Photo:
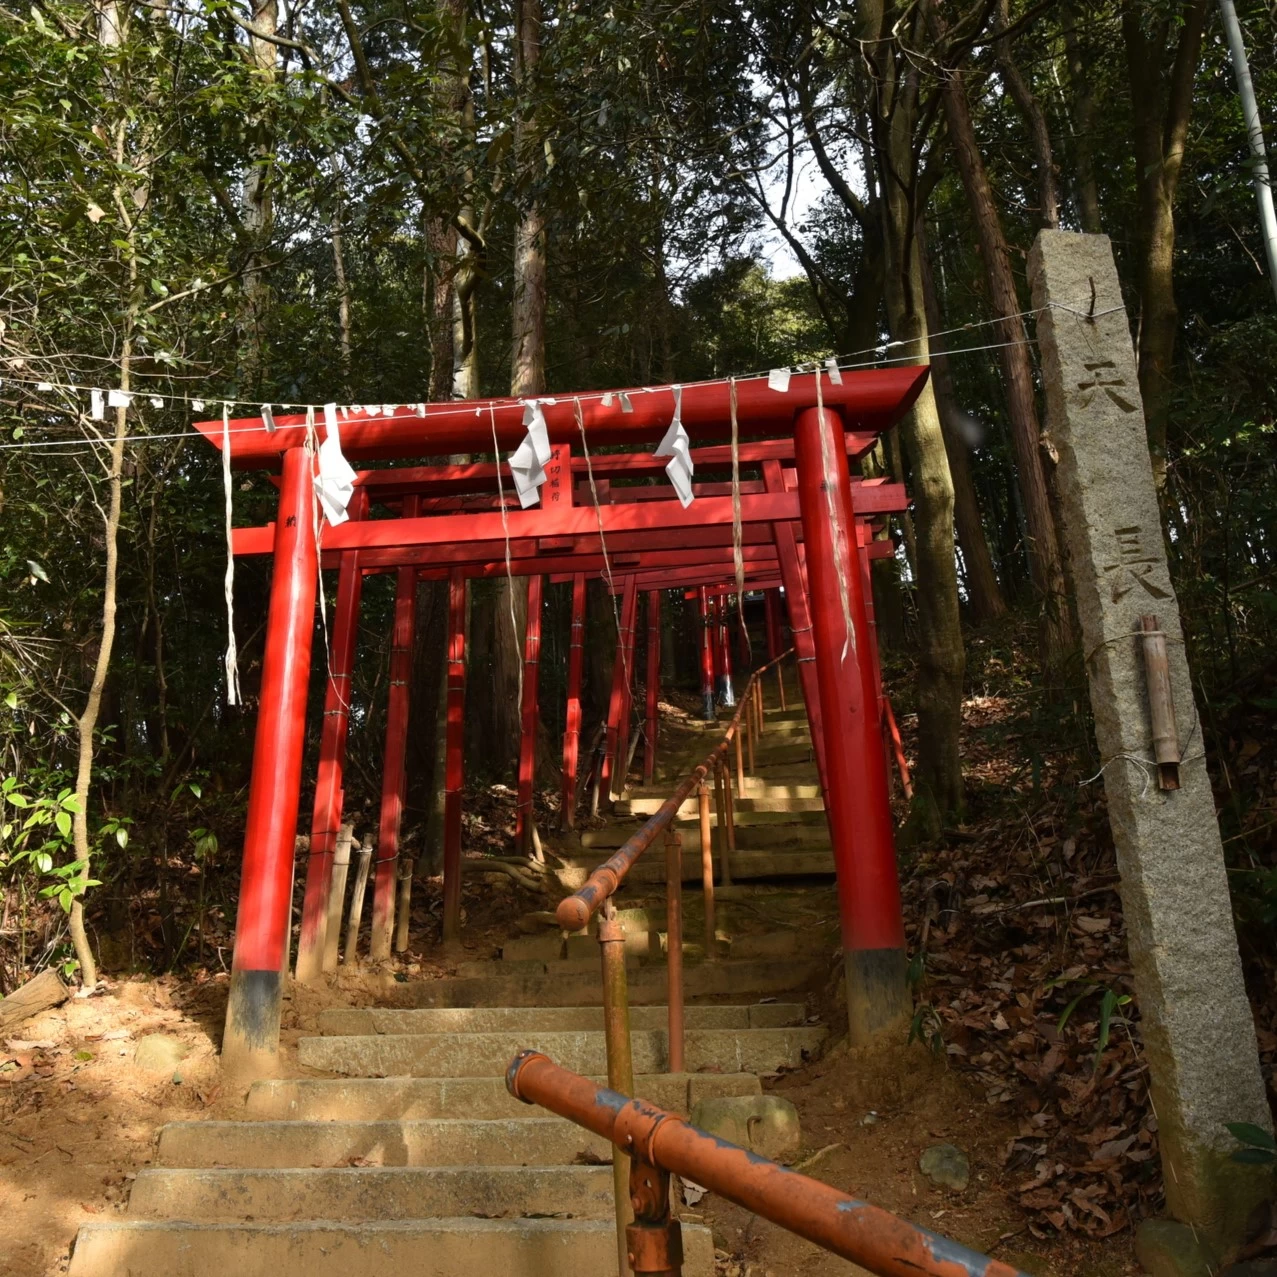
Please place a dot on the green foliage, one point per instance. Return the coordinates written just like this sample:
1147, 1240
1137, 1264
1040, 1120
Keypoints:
1258, 1146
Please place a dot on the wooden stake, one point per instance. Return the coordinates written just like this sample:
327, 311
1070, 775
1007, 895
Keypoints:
357, 903
337, 895
1161, 703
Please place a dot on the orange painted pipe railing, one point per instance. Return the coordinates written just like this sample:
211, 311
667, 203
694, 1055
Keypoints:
658, 1143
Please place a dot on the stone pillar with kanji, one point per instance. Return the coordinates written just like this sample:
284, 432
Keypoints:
1196, 1024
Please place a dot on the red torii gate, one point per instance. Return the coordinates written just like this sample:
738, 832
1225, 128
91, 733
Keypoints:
819, 497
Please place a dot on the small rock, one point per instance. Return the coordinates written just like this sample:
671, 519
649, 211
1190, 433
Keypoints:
765, 1124
946, 1166
869, 1119
159, 1053
1167, 1248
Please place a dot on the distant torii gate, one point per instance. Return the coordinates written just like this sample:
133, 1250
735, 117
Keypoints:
434, 537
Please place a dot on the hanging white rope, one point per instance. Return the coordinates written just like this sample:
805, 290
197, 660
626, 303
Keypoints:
838, 534
231, 659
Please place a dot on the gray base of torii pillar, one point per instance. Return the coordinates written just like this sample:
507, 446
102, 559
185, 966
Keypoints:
1196, 1022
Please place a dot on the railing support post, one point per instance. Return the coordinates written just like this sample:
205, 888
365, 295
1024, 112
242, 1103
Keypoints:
707, 871
749, 726
674, 956
654, 1241
727, 691
740, 761
620, 1059
729, 827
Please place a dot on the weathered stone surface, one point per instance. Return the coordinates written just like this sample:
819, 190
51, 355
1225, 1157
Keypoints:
946, 1166
424, 1248
1166, 1248
1252, 1268
1196, 1021
159, 1053
765, 1124
540, 948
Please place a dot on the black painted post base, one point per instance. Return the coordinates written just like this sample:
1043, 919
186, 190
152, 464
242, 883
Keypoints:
250, 1042
708, 712
878, 997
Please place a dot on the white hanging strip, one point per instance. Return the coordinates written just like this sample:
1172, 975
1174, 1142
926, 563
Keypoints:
97, 407
157, 402
778, 379
232, 653
678, 447
335, 479
835, 375
626, 405
527, 462
197, 404
268, 418
118, 398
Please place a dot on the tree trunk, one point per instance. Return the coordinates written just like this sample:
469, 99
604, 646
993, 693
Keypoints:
344, 339
983, 589
1017, 376
1161, 107
1083, 120
1034, 118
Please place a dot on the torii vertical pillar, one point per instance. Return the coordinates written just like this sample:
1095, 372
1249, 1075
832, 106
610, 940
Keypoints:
572, 718
394, 773
723, 613
528, 715
250, 1042
707, 656
652, 688
330, 775
1195, 1018
858, 799
454, 757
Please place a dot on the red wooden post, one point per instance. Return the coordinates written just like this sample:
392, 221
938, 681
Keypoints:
653, 688
618, 723
528, 733
727, 693
858, 801
394, 775
454, 761
707, 657
799, 626
332, 760
572, 721
250, 1043
620, 768
773, 625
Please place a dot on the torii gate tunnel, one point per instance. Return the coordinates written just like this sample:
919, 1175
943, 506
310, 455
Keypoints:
806, 526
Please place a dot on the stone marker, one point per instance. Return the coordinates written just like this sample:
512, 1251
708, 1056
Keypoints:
1196, 1021
765, 1124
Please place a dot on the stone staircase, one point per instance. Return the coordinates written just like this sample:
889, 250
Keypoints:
403, 1150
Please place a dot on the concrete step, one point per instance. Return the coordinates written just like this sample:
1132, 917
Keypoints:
486, 1054
798, 861
491, 984
354, 1022
371, 1099
752, 834
424, 1248
526, 1141
638, 805
373, 1193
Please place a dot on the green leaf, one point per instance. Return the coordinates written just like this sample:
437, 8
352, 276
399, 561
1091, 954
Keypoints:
18, 800
1068, 1010
1254, 1156
1249, 1133
43, 862
37, 571
122, 836
38, 19
63, 822
196, 790
12, 700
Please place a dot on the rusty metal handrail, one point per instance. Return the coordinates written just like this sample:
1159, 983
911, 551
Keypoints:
575, 911
658, 1143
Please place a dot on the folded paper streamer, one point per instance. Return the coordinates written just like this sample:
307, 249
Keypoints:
527, 461
678, 448
335, 480
118, 399
835, 376
157, 402
268, 418
97, 410
778, 379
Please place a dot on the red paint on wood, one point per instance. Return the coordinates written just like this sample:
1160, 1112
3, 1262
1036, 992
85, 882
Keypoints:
572, 718
528, 715
454, 760
652, 689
